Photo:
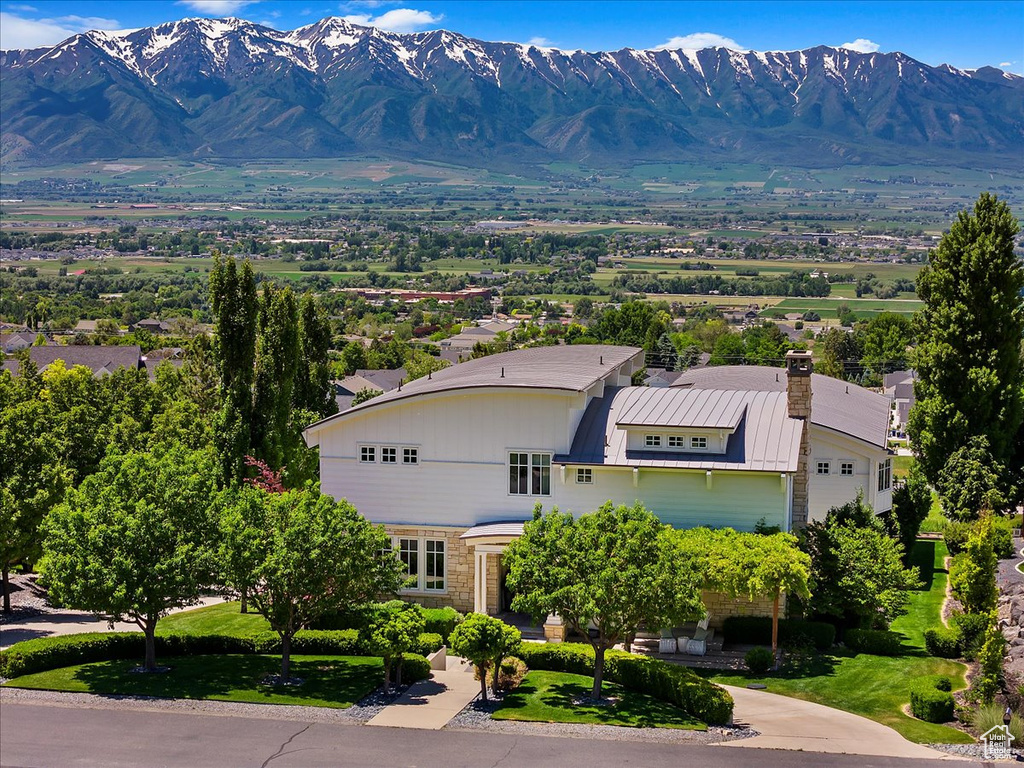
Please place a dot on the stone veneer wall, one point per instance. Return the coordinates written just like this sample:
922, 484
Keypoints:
460, 570
720, 606
798, 395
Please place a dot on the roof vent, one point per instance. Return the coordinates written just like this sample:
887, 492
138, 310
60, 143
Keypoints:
503, 372
429, 376
399, 385
600, 360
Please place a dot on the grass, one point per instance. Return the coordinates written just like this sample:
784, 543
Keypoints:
330, 681
901, 465
551, 697
935, 521
877, 687
220, 619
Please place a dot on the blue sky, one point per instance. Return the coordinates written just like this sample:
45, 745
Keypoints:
966, 34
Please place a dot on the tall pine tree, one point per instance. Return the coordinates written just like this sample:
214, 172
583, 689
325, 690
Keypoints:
313, 391
277, 359
968, 359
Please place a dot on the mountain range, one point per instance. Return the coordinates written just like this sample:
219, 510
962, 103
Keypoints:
229, 88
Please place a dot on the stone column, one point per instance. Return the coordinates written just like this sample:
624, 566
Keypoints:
554, 629
799, 367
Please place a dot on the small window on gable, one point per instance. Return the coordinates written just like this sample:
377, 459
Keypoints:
885, 475
388, 455
410, 455
824, 467
368, 453
846, 469
676, 441
652, 441
584, 475
699, 443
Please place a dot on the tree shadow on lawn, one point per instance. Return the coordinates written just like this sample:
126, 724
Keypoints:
334, 682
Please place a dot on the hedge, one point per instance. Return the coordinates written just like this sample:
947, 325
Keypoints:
440, 621
675, 684
962, 638
55, 652
944, 642
878, 642
931, 701
757, 630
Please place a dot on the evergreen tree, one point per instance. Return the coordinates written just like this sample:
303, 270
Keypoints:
968, 359
277, 359
313, 391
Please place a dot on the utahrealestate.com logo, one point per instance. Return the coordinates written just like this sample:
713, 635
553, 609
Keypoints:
997, 743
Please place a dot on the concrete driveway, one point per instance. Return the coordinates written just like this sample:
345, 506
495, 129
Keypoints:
787, 723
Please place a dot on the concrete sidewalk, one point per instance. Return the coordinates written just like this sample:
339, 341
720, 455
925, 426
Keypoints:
787, 723
430, 704
70, 623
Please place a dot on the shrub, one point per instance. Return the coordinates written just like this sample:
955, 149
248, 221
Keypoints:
677, 685
759, 659
944, 642
878, 642
511, 674
988, 716
442, 621
1002, 537
971, 628
757, 630
955, 535
414, 668
930, 704
944, 684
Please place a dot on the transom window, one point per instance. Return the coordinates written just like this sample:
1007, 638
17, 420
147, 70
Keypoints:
885, 475
584, 475
824, 467
425, 563
368, 453
676, 441
700, 443
846, 468
410, 456
529, 474
388, 455
652, 441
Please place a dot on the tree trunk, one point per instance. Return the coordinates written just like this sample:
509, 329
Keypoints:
775, 631
286, 656
628, 644
598, 671
150, 631
398, 671
7, 589
482, 669
245, 601
387, 675
497, 671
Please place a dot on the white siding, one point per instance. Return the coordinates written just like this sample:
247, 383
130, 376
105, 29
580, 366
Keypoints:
827, 491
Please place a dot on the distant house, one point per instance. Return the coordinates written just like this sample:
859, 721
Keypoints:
383, 380
12, 342
158, 327
101, 360
900, 387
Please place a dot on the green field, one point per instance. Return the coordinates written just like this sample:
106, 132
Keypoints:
863, 308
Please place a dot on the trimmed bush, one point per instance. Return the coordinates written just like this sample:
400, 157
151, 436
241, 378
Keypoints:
677, 685
971, 630
955, 535
929, 703
1002, 537
877, 642
440, 621
414, 668
943, 684
759, 659
944, 642
757, 630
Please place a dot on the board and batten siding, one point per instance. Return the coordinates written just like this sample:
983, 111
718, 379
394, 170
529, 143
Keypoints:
832, 490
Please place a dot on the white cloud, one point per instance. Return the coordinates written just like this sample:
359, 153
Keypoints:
862, 45
1005, 63
699, 40
18, 32
397, 20
22, 8
540, 42
217, 7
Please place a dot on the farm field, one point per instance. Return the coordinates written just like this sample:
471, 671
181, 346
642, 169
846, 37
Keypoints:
864, 308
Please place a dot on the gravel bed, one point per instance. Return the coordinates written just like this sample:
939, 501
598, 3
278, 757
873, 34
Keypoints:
477, 716
974, 751
358, 713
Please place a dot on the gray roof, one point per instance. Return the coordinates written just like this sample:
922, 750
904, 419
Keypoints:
665, 407
897, 377
835, 404
98, 359
766, 438
570, 368
514, 528
904, 391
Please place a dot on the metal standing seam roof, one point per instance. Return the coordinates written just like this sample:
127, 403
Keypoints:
663, 407
513, 528
572, 368
766, 438
835, 404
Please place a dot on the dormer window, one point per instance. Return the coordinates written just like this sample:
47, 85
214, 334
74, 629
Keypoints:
699, 443
676, 441
652, 441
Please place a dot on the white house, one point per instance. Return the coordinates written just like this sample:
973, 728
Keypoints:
453, 464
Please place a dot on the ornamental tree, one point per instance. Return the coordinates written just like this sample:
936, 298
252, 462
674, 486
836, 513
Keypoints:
391, 634
131, 542
613, 569
968, 360
486, 642
304, 554
972, 575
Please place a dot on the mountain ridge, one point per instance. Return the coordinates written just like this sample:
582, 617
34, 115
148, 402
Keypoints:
234, 89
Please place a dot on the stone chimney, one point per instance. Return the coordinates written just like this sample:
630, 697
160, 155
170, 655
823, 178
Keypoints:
798, 397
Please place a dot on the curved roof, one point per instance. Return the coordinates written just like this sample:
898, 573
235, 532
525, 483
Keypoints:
571, 368
835, 404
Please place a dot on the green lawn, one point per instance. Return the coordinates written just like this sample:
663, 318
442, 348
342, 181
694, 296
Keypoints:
935, 521
877, 687
330, 681
548, 697
901, 465
220, 619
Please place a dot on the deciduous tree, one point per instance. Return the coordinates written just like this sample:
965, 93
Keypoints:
486, 642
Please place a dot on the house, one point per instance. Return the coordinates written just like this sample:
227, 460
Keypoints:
900, 387
452, 465
158, 327
383, 380
12, 342
100, 360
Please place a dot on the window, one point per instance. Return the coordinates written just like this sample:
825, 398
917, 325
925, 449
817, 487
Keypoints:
410, 455
434, 565
846, 469
585, 475
409, 553
529, 474
652, 441
388, 455
824, 467
368, 453
885, 475
676, 441
700, 443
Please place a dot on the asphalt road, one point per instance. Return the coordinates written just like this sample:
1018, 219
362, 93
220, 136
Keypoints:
41, 735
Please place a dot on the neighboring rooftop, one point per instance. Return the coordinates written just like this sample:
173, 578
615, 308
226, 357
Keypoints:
835, 404
766, 438
98, 359
669, 407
